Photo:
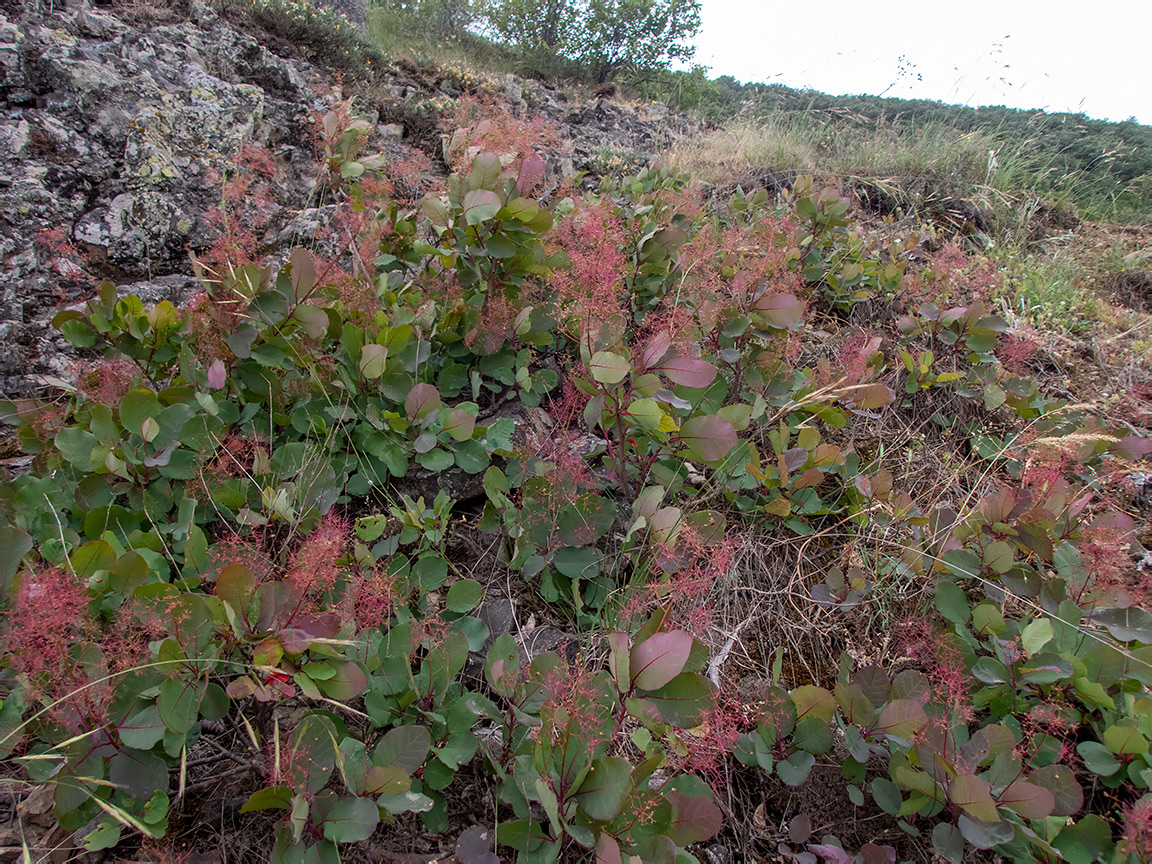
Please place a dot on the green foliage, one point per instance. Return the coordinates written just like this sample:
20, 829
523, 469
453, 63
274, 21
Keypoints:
320, 33
636, 34
603, 36
231, 520
829, 252
556, 725
538, 27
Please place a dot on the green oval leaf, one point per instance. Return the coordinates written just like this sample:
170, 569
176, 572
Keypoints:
604, 790
464, 595
235, 586
373, 358
608, 367
138, 405
348, 681
405, 746
973, 795
685, 700
179, 704
480, 205
351, 820
459, 424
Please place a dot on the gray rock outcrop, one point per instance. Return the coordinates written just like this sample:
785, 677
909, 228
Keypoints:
113, 144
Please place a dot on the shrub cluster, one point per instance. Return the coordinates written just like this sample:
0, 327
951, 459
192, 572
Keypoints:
214, 521
316, 32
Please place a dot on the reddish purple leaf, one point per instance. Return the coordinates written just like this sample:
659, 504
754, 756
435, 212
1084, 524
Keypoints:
873, 854
1133, 447
475, 846
607, 850
531, 173
709, 438
422, 400
687, 371
217, 374
872, 396
659, 659
781, 310
902, 717
321, 625
1029, 800
830, 853
800, 828
293, 641
695, 818
1060, 780
655, 349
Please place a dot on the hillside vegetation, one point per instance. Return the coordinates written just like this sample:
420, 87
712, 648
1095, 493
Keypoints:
1103, 168
783, 498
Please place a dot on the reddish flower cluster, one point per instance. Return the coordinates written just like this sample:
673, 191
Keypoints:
1016, 353
106, 382
233, 458
1044, 723
1045, 471
855, 355
921, 640
1138, 829
590, 291
574, 708
246, 200
477, 125
46, 625
210, 321
245, 551
495, 326
46, 422
710, 743
426, 633
47, 618
55, 245
1104, 551
410, 176
955, 276
693, 568
316, 567
370, 598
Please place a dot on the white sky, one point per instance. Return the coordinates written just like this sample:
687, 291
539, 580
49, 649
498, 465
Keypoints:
1093, 57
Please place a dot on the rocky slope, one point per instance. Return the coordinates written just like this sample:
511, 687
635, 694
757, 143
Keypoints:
115, 137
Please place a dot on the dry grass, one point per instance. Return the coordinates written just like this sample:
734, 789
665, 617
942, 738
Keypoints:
934, 158
732, 154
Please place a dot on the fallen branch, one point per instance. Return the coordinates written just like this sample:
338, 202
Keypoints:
721, 658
